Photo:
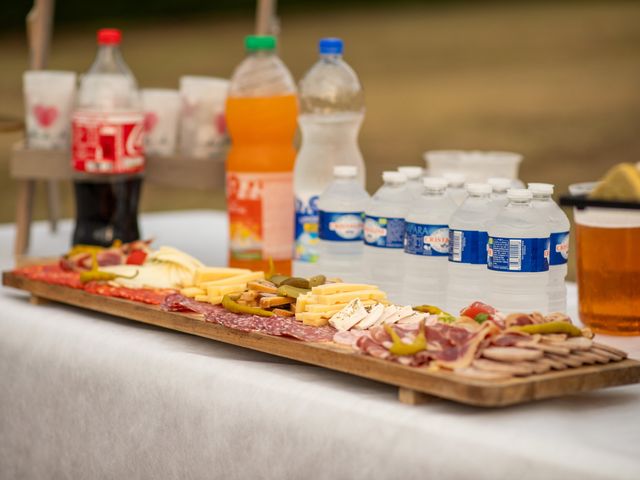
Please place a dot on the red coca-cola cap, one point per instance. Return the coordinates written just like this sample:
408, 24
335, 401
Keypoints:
109, 36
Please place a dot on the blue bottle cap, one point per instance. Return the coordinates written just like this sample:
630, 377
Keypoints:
330, 46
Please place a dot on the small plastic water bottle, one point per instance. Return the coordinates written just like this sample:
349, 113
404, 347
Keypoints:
518, 256
341, 210
467, 272
499, 187
455, 187
559, 227
414, 179
426, 248
384, 234
331, 112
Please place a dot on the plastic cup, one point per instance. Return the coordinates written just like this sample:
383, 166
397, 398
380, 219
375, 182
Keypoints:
161, 113
608, 265
477, 166
49, 98
202, 125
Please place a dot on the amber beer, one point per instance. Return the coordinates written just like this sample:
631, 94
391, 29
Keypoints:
608, 261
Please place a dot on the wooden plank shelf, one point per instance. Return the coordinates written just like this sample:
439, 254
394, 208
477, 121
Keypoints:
174, 171
27, 166
416, 385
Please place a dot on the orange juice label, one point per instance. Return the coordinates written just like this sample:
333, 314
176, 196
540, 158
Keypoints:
260, 209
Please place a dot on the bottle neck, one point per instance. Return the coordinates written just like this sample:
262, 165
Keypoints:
262, 53
478, 196
430, 192
519, 203
542, 198
331, 57
108, 60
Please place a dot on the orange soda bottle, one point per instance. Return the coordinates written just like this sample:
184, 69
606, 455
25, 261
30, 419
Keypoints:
261, 114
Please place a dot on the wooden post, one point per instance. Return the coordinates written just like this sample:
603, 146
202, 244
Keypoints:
39, 25
266, 23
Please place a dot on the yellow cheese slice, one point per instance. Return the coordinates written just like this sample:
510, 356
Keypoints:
311, 318
202, 298
346, 297
215, 291
210, 274
331, 288
242, 278
192, 291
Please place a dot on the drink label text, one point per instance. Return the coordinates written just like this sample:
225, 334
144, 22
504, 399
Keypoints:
341, 226
426, 240
107, 142
518, 254
384, 232
468, 246
559, 248
306, 229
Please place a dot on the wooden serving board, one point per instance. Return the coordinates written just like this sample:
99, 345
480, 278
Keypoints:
415, 384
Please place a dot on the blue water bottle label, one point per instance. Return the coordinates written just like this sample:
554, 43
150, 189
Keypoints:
341, 226
559, 248
384, 232
468, 246
306, 229
518, 254
426, 240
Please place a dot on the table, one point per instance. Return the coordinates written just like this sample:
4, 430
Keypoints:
85, 395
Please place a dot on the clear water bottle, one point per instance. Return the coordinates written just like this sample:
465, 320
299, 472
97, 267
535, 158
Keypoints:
426, 248
455, 186
467, 269
332, 110
414, 179
559, 227
107, 148
518, 256
384, 234
499, 187
341, 218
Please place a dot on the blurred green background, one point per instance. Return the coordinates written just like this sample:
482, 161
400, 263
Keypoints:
556, 81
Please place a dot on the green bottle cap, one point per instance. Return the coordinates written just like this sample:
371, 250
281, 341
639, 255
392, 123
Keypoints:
259, 42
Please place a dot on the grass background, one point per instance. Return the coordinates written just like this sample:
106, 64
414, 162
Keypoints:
558, 82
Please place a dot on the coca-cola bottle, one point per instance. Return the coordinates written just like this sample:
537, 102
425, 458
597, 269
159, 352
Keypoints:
107, 148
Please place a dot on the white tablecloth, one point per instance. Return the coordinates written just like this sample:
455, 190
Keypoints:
84, 395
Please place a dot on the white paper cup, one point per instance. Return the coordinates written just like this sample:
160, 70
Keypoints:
49, 98
161, 113
202, 124
477, 166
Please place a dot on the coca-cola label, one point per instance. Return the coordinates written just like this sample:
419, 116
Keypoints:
108, 142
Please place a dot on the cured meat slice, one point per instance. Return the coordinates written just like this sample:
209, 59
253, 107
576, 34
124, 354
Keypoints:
606, 353
349, 337
179, 303
568, 360
611, 349
142, 295
308, 333
52, 273
511, 354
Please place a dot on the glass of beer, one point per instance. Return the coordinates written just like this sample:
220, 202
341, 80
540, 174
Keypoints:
608, 262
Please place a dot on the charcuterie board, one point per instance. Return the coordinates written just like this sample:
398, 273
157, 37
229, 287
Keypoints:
415, 384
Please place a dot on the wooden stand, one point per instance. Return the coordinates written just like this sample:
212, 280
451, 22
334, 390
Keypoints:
28, 166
